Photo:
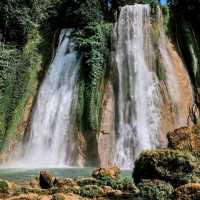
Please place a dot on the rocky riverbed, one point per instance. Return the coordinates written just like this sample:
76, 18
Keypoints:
165, 174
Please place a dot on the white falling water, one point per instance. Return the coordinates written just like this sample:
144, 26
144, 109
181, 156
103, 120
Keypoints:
138, 99
171, 77
51, 141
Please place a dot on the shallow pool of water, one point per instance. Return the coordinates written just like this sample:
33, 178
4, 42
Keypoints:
28, 174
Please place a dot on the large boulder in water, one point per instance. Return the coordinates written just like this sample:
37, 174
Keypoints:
185, 138
45, 180
172, 166
112, 172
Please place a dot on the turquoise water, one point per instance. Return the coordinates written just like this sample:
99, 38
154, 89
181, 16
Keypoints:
28, 174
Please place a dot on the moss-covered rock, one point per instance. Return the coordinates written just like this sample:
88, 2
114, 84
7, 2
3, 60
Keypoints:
4, 186
189, 191
91, 191
155, 190
171, 166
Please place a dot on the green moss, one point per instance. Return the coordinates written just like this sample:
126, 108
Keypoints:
23, 83
155, 190
125, 184
4, 187
90, 191
160, 71
172, 166
93, 41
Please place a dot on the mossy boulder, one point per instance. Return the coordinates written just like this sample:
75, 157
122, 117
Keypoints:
190, 191
91, 191
155, 190
4, 186
172, 166
185, 138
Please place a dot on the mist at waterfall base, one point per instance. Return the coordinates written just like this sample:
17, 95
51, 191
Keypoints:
51, 141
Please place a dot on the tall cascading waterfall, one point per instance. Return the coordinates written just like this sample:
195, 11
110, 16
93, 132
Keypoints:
141, 44
51, 141
138, 99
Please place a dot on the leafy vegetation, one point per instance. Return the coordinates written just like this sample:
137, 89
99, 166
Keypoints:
22, 52
93, 41
154, 190
18, 75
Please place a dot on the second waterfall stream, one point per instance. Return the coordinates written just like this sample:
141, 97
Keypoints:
142, 108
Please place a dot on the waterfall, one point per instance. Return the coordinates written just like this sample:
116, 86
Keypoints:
51, 141
177, 79
138, 98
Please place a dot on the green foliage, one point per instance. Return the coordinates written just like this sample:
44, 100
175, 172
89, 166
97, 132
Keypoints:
10, 69
155, 190
125, 184
90, 11
15, 19
172, 166
90, 191
4, 187
160, 71
93, 41
18, 78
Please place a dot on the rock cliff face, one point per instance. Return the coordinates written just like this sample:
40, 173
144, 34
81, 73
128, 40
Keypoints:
175, 115
185, 138
107, 137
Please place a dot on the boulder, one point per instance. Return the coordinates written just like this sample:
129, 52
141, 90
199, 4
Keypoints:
86, 181
185, 138
172, 166
24, 197
112, 172
190, 191
155, 190
45, 197
4, 186
45, 180
61, 196
69, 182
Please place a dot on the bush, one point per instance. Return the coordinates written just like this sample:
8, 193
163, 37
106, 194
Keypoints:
172, 166
155, 190
93, 41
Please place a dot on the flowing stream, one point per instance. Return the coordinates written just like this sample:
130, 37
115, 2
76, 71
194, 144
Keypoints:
51, 140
